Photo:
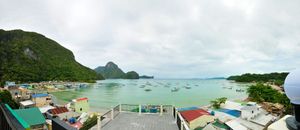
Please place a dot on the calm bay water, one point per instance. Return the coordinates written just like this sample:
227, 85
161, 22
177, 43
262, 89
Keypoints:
107, 93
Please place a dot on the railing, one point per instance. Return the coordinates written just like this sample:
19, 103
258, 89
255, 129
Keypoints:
181, 123
106, 118
147, 109
7, 120
144, 109
116, 111
129, 108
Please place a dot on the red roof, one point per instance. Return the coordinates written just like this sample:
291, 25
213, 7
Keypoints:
81, 99
59, 110
193, 114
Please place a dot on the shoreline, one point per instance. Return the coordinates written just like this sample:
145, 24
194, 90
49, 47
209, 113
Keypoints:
104, 110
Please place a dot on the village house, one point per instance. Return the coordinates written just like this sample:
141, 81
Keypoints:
13, 89
32, 117
250, 111
24, 93
80, 105
41, 99
26, 104
197, 118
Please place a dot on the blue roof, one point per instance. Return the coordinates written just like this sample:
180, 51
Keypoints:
39, 95
235, 113
187, 108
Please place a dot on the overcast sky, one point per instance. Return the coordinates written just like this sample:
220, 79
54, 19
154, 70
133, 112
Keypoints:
168, 38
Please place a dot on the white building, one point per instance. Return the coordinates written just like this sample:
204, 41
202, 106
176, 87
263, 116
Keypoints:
250, 112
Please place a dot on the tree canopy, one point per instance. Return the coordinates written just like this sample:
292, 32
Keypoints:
5, 97
264, 93
32, 57
277, 78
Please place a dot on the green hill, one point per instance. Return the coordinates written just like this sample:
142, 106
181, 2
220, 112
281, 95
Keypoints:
112, 71
32, 57
132, 75
277, 78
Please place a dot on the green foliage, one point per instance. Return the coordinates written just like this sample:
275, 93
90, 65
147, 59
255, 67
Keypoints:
131, 75
265, 93
217, 102
277, 78
5, 97
146, 77
89, 123
31, 57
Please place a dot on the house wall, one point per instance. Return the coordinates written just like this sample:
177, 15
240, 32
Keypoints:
201, 121
42, 101
13, 92
247, 114
25, 95
81, 106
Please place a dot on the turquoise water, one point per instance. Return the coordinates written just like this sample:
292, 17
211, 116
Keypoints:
107, 93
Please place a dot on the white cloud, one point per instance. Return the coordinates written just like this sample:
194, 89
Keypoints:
169, 38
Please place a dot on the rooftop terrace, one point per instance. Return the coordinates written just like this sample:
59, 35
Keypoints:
140, 117
134, 121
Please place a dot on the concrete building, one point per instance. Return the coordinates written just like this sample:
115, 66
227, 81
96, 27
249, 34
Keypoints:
250, 112
14, 91
197, 118
80, 105
27, 104
24, 93
41, 99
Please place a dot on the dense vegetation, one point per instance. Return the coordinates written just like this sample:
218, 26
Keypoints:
131, 75
112, 71
5, 97
32, 57
264, 93
277, 78
217, 103
146, 77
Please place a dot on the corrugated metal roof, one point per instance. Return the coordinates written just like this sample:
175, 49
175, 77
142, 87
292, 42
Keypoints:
193, 114
32, 116
39, 95
58, 110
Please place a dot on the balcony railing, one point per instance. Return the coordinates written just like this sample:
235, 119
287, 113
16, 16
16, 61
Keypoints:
7, 119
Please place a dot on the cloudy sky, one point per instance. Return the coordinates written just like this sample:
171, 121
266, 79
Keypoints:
168, 38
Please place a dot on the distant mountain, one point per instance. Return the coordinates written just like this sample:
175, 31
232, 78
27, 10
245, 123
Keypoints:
146, 77
112, 71
32, 57
132, 75
216, 78
276, 77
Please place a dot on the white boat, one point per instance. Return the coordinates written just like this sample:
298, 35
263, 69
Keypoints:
187, 87
148, 89
175, 89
